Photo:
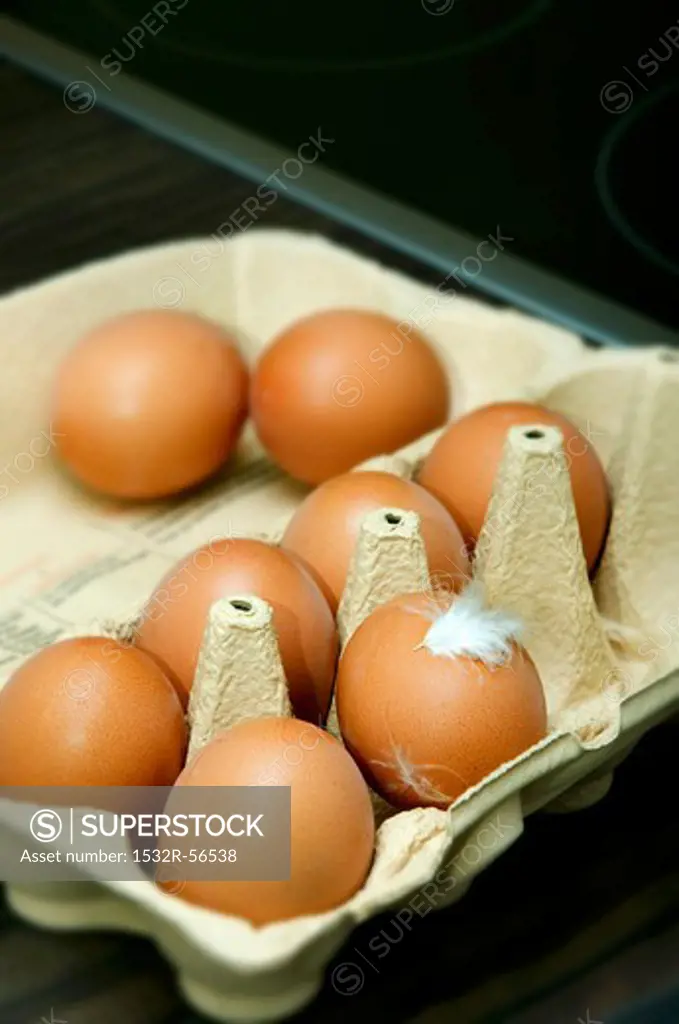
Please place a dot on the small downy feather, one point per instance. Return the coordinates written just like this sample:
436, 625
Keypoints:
470, 629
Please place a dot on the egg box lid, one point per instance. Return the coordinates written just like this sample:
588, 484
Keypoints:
73, 564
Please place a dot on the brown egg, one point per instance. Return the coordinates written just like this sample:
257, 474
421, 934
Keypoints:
90, 712
325, 528
461, 467
332, 824
434, 695
174, 619
149, 403
341, 386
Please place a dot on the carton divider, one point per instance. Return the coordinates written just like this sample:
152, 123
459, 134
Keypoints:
640, 565
239, 675
389, 559
530, 561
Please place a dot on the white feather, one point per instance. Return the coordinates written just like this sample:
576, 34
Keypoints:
469, 629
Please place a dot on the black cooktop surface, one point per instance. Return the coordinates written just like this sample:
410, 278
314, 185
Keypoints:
553, 122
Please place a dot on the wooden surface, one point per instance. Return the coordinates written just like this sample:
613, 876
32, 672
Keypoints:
576, 923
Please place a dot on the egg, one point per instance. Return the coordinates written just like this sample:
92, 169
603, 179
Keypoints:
460, 469
325, 528
149, 403
340, 386
174, 619
332, 824
434, 694
90, 712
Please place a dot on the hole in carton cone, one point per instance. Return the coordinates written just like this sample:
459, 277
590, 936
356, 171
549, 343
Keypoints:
393, 518
241, 606
534, 435
668, 356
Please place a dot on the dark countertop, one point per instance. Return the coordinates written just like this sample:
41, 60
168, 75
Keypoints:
577, 922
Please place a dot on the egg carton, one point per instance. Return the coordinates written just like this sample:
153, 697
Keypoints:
602, 652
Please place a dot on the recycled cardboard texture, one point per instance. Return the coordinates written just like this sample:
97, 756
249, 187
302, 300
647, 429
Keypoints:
389, 559
530, 536
239, 646
642, 554
74, 563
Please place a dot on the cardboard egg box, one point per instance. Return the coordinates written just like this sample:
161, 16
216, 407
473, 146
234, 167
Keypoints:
608, 655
